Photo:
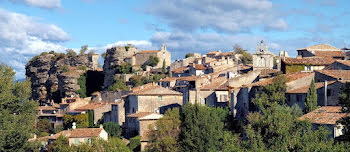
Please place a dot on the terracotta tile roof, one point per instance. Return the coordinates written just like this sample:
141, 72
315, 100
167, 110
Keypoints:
200, 67
290, 77
325, 115
320, 47
91, 106
169, 79
46, 108
212, 52
190, 78
328, 53
180, 70
77, 133
219, 83
337, 74
148, 51
345, 62
227, 53
154, 90
305, 89
308, 61
139, 114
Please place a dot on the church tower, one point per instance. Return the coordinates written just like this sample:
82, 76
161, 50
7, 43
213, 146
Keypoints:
262, 59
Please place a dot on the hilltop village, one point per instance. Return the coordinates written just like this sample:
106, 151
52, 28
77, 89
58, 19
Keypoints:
135, 88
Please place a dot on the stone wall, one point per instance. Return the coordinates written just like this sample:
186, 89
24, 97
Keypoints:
115, 56
49, 81
153, 103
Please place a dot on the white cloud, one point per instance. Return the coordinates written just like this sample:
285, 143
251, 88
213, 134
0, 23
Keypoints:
40, 3
23, 37
137, 43
220, 15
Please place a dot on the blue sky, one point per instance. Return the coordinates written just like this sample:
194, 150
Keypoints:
28, 27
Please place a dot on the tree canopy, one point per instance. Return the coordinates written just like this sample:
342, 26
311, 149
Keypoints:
311, 98
17, 112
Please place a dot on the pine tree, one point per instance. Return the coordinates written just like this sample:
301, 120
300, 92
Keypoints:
311, 98
164, 67
17, 112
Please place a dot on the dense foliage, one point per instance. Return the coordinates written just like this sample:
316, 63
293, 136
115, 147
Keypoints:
135, 144
124, 68
113, 129
82, 84
246, 57
17, 112
344, 101
311, 98
188, 55
140, 80
118, 84
152, 61
81, 120
97, 145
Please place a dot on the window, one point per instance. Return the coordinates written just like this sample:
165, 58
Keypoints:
329, 92
299, 98
133, 110
308, 68
160, 98
76, 141
114, 107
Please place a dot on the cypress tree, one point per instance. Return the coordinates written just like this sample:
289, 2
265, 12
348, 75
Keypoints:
91, 118
164, 67
311, 98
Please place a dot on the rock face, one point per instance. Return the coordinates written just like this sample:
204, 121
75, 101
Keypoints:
114, 57
55, 75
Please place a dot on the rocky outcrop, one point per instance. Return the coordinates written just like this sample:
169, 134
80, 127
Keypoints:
54, 76
115, 56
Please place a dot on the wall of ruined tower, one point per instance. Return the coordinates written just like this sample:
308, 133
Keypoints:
115, 56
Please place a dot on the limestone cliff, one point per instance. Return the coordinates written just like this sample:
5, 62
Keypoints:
55, 75
114, 57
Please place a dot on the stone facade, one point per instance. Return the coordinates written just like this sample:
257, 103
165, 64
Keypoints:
262, 59
116, 115
158, 103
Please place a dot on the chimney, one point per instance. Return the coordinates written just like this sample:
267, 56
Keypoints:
325, 93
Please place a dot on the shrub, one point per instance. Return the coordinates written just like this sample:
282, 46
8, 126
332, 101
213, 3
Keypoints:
135, 144
82, 84
113, 129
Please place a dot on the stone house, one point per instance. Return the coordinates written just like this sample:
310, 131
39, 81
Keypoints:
78, 136
69, 104
263, 58
197, 69
97, 108
140, 57
212, 54
327, 116
51, 113
214, 94
326, 96
169, 82
188, 85
321, 50
299, 64
332, 75
339, 65
139, 123
181, 72
117, 114
152, 98
185, 62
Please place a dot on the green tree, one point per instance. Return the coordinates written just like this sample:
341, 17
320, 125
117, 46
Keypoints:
152, 61
164, 67
81, 120
164, 138
124, 68
311, 98
83, 49
201, 129
135, 144
17, 112
82, 84
136, 80
71, 53
91, 118
246, 57
118, 84
43, 127
188, 55
113, 129
344, 101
